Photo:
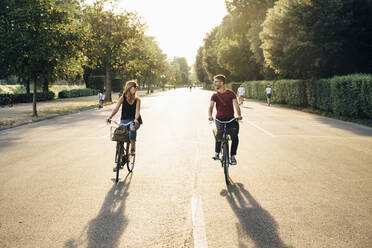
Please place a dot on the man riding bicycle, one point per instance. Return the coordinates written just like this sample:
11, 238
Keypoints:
225, 101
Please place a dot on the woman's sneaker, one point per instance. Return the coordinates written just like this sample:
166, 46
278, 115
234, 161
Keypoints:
233, 160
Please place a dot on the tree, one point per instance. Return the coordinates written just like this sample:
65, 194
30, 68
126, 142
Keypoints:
200, 71
246, 21
210, 59
35, 36
315, 38
184, 70
108, 38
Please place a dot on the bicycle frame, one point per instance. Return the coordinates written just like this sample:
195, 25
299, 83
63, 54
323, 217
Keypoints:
225, 149
122, 148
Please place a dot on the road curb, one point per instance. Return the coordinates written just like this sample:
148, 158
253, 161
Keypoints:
54, 116
45, 118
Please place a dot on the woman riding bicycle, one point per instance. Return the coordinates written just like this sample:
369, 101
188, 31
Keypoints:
130, 111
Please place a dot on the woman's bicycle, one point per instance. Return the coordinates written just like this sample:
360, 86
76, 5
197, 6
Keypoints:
122, 155
225, 160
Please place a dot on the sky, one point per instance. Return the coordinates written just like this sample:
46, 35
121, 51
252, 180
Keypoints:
179, 26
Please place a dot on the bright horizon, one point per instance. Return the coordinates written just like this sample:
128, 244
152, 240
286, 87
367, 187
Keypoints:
178, 26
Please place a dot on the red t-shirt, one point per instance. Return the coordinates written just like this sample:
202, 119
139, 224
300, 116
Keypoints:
224, 104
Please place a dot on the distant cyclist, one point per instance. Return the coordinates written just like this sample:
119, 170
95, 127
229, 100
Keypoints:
225, 101
130, 111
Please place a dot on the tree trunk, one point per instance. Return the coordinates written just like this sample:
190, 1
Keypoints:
86, 76
108, 66
45, 85
34, 97
108, 84
148, 88
28, 86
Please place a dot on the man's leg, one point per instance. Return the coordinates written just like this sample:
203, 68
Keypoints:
217, 148
233, 130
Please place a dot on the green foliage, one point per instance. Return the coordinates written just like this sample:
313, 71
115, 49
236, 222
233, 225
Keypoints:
77, 93
318, 94
117, 85
25, 98
312, 38
346, 96
351, 95
96, 82
210, 57
201, 73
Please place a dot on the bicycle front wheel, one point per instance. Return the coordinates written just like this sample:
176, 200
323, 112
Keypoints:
130, 160
119, 152
130, 163
225, 161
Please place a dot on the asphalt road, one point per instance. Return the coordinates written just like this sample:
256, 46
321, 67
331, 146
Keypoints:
301, 181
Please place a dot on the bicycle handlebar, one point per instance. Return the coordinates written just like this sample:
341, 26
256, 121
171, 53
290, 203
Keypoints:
117, 123
226, 122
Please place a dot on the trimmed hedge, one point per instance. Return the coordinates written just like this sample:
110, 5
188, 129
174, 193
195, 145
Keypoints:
77, 93
348, 96
24, 98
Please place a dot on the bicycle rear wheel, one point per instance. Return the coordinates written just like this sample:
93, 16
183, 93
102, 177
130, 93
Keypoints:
119, 151
225, 161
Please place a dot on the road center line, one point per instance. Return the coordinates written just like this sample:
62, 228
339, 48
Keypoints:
198, 225
260, 128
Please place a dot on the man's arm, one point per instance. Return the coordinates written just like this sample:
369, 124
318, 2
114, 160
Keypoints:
210, 110
237, 109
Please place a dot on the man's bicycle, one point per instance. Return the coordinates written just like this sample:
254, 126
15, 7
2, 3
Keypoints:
123, 157
225, 160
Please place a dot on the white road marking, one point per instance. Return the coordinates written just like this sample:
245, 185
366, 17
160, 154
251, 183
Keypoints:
319, 136
198, 225
260, 128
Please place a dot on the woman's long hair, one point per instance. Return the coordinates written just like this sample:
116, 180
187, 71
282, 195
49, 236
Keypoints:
128, 96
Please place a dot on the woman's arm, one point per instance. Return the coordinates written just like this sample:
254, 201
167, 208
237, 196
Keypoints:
138, 110
117, 107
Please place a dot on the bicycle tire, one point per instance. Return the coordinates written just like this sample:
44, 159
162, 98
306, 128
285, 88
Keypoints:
130, 166
118, 160
225, 158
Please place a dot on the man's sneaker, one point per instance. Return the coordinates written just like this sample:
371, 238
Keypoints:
233, 160
216, 156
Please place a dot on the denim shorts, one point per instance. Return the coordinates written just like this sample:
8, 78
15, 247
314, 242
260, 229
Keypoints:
132, 128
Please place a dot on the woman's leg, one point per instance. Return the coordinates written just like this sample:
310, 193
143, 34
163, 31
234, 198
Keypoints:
133, 136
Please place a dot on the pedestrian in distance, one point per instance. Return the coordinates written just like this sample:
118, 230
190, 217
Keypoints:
241, 93
268, 94
101, 99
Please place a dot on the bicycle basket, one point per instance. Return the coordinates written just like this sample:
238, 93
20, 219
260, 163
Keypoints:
120, 134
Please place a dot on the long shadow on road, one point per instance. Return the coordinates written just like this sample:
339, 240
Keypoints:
254, 222
106, 229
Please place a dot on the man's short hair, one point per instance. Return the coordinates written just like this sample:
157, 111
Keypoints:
220, 77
